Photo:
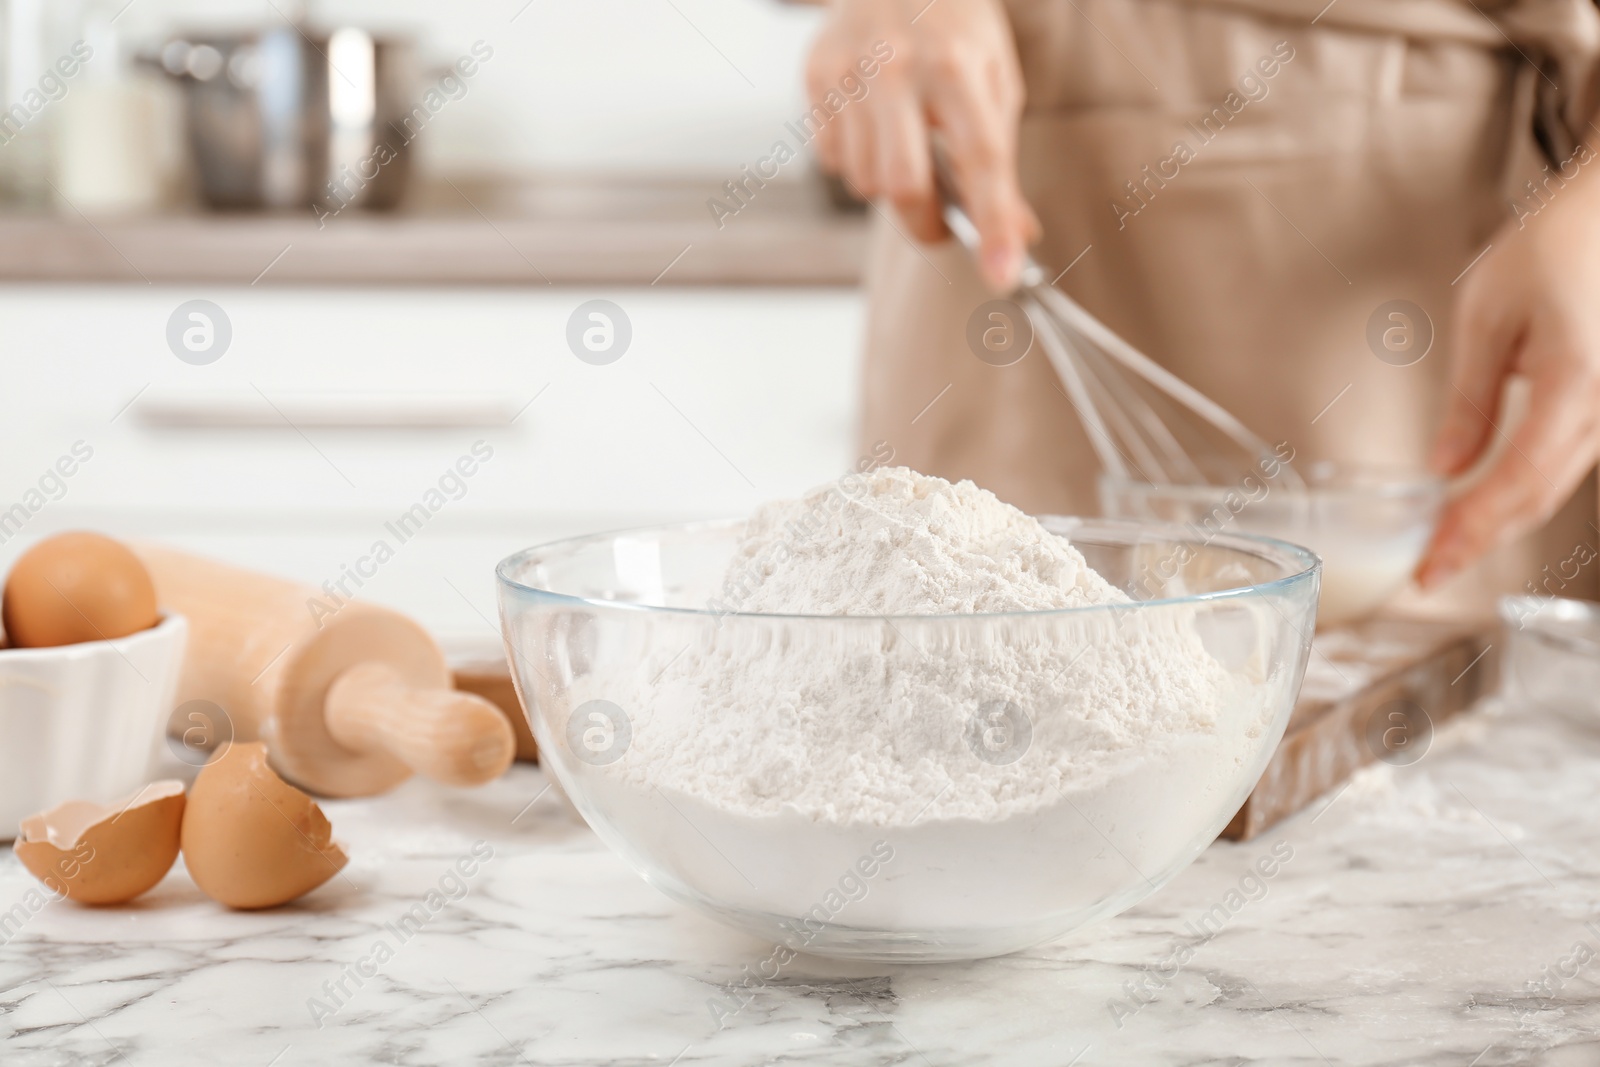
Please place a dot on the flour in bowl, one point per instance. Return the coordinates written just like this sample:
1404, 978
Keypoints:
896, 542
902, 716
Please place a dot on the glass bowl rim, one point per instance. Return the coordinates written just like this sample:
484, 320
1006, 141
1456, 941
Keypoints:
1307, 565
1395, 481
1551, 621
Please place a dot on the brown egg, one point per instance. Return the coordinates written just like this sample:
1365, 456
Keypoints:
77, 587
252, 840
105, 853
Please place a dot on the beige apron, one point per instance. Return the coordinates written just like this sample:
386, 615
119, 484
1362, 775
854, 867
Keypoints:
1373, 164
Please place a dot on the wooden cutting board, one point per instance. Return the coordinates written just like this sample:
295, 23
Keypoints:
491, 679
1373, 690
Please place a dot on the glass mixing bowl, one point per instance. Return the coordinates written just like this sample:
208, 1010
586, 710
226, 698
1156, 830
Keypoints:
1552, 656
615, 640
1369, 523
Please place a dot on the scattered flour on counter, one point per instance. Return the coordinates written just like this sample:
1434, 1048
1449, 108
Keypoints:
871, 722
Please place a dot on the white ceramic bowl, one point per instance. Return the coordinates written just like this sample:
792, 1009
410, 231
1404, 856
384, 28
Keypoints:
85, 721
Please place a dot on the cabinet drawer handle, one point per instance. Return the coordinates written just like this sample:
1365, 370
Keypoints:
191, 409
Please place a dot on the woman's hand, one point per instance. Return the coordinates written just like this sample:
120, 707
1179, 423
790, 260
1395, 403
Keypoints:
954, 69
1531, 307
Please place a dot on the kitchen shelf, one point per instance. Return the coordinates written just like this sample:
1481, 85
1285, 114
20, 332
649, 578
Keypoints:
464, 232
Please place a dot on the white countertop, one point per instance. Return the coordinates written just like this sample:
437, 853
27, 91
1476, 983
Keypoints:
1417, 908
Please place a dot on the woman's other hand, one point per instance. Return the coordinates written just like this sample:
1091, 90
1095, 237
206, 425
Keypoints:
1531, 307
953, 69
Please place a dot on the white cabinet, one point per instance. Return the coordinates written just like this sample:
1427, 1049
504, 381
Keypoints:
724, 397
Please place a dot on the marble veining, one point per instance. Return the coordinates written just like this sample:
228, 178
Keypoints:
1445, 913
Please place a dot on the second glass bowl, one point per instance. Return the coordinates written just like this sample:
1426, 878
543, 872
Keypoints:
1369, 523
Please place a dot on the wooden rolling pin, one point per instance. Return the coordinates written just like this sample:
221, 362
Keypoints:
349, 703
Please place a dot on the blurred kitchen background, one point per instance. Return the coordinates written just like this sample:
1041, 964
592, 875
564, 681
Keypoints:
355, 343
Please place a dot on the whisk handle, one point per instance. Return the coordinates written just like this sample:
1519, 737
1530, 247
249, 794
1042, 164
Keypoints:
960, 223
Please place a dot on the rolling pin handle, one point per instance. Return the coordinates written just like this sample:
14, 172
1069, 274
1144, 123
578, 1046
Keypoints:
449, 736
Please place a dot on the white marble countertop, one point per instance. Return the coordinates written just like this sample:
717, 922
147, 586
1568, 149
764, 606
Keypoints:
1418, 911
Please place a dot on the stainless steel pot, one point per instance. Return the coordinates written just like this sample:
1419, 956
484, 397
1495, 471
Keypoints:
287, 117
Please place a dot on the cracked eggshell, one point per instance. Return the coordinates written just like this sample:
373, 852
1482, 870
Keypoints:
250, 839
105, 853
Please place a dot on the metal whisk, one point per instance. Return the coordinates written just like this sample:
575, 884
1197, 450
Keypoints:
1144, 422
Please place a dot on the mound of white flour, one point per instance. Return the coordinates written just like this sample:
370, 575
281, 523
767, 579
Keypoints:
888, 721
896, 542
